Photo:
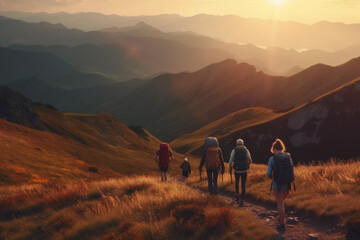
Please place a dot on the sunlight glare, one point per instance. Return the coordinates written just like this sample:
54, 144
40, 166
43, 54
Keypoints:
278, 3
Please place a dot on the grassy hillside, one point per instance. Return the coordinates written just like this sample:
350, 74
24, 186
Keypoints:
329, 191
175, 104
326, 127
123, 208
236, 121
69, 146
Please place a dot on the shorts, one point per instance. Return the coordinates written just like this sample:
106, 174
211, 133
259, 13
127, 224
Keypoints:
185, 173
162, 169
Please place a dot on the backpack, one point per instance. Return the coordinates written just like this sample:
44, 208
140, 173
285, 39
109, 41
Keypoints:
186, 167
241, 162
211, 142
283, 169
164, 155
212, 160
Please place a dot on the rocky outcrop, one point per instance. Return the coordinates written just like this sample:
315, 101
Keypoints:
15, 108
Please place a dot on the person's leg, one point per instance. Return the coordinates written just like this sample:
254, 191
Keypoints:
162, 176
243, 182
237, 178
209, 176
215, 180
279, 196
165, 176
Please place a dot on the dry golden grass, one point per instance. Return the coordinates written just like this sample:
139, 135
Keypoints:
70, 145
238, 121
328, 190
124, 208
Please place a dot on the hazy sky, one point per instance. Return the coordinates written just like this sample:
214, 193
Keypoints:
308, 11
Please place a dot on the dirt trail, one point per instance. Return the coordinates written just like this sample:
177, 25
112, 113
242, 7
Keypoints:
298, 226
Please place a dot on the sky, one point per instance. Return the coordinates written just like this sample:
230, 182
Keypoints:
306, 11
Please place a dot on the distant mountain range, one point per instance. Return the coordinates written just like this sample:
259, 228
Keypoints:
117, 57
142, 50
20, 64
174, 104
323, 35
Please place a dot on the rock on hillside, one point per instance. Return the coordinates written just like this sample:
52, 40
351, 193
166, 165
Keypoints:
15, 108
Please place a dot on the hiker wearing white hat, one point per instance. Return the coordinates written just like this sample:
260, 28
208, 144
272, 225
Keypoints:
240, 160
186, 169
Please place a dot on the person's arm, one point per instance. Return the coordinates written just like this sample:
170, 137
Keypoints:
171, 155
292, 172
232, 155
270, 167
202, 162
249, 156
221, 161
157, 157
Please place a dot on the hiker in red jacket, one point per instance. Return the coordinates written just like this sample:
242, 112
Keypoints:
214, 162
163, 158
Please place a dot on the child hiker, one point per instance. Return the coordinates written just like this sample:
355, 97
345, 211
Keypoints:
186, 169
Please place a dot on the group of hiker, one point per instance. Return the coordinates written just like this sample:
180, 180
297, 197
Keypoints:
280, 169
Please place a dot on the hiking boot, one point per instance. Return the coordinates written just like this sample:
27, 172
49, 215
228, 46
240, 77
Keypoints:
237, 198
280, 228
241, 203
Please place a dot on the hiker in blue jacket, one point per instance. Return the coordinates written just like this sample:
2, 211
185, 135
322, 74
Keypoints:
280, 169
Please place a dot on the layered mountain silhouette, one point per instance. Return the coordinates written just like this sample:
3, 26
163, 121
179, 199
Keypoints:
327, 36
132, 57
120, 57
81, 100
174, 104
142, 50
16, 64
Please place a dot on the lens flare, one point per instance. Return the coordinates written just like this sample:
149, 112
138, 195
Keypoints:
278, 3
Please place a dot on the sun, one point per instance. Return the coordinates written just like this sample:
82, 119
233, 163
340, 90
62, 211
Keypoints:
278, 3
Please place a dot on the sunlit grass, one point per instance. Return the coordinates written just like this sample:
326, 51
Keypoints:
124, 208
328, 190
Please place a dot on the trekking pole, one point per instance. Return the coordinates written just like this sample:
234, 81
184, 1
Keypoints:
200, 174
231, 175
222, 179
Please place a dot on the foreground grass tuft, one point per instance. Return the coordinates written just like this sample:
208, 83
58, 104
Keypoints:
124, 208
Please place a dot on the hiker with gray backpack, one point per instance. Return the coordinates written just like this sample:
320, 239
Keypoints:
240, 160
214, 162
281, 170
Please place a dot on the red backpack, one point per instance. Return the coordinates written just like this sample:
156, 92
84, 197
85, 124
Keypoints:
164, 155
212, 160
